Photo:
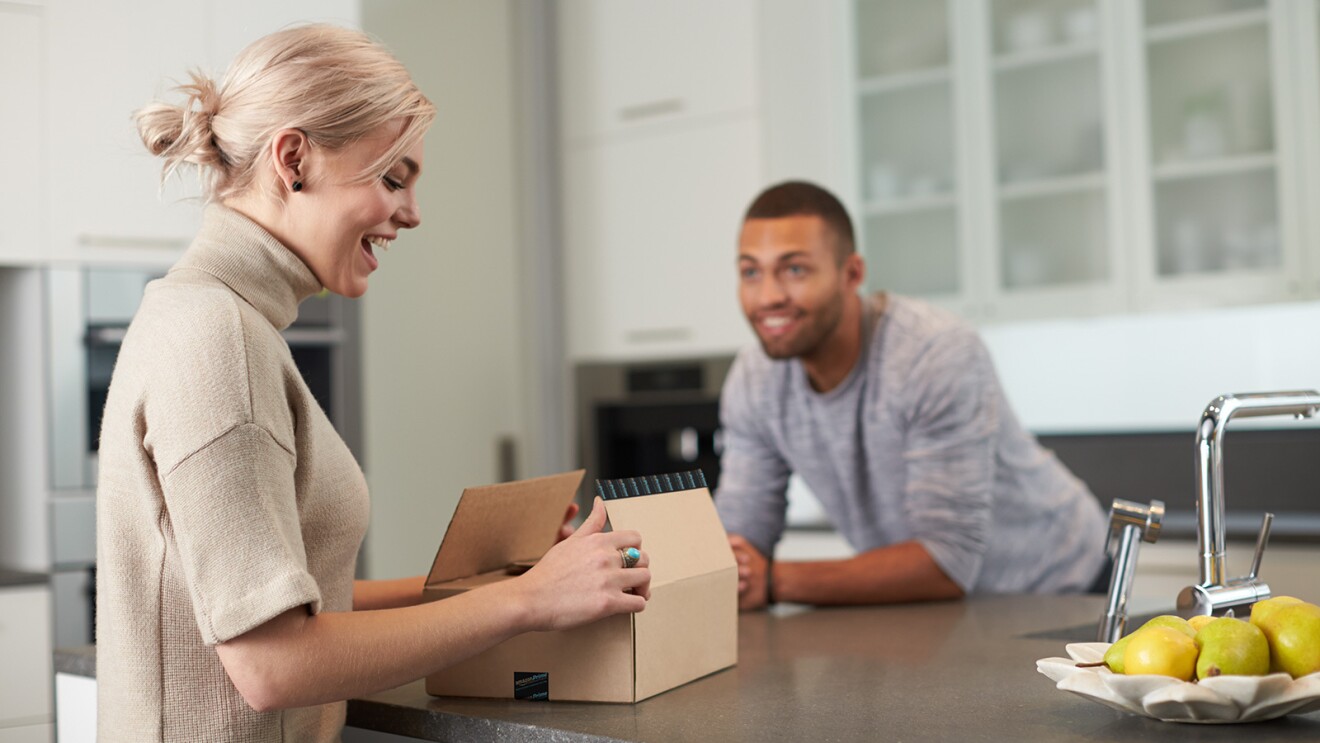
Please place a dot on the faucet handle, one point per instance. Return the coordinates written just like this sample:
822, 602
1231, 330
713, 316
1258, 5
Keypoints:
1261, 539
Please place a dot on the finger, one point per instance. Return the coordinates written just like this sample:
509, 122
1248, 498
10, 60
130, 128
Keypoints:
570, 512
622, 539
595, 520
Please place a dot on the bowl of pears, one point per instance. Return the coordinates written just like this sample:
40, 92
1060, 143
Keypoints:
1206, 669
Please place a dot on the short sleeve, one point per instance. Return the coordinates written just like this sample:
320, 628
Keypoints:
233, 511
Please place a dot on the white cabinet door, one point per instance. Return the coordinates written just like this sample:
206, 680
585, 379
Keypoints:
25, 676
650, 237
104, 59
20, 133
233, 25
635, 64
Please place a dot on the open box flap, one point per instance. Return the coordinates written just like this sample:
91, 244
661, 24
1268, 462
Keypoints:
495, 525
681, 532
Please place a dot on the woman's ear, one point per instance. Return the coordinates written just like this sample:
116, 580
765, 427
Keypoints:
289, 150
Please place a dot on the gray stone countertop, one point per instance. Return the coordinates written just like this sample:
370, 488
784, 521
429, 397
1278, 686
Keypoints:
962, 671
9, 578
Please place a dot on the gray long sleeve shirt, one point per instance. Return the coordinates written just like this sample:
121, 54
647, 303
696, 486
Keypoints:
918, 443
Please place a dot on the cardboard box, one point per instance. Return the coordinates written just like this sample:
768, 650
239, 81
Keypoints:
688, 630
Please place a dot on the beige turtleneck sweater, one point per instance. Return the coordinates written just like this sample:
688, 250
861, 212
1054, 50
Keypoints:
225, 495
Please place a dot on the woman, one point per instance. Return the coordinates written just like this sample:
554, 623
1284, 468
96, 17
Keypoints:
229, 511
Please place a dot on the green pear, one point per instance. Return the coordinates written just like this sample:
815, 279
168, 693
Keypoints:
1199, 621
1162, 651
1114, 655
1261, 610
1293, 632
1231, 647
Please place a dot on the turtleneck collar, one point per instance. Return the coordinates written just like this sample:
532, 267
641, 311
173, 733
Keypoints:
249, 260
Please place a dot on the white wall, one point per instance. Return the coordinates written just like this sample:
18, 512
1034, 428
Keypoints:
23, 433
442, 350
1153, 371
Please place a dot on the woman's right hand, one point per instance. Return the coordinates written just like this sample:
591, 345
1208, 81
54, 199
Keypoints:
582, 578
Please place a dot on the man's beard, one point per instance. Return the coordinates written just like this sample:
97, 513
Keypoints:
818, 327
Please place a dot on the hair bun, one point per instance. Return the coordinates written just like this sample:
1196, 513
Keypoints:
183, 133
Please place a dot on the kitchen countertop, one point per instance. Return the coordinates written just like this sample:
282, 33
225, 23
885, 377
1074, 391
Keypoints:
946, 671
9, 578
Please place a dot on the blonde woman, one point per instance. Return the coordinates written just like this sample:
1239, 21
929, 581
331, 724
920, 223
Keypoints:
229, 511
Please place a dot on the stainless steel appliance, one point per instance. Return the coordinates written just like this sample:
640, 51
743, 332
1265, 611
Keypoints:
650, 417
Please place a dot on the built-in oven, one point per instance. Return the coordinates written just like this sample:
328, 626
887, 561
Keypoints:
652, 417
88, 310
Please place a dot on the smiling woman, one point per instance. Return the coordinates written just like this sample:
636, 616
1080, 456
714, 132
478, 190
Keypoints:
229, 512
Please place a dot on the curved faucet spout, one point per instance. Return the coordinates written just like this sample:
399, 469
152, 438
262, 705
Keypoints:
1210, 464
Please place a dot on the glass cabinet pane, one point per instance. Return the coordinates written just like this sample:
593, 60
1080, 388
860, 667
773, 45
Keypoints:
895, 36
1212, 142
906, 134
1050, 159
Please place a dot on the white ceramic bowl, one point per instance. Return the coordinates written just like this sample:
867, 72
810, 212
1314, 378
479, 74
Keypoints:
1214, 700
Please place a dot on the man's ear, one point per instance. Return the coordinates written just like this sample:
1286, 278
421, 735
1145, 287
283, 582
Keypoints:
854, 270
289, 150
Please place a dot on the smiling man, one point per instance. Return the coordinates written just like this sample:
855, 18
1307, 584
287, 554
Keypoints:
890, 411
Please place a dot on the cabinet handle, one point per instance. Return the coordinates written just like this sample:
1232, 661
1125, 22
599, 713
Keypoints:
124, 241
658, 335
651, 110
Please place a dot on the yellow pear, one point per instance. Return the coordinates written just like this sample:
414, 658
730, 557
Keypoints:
1293, 632
1231, 647
1114, 655
1199, 621
1163, 651
1261, 610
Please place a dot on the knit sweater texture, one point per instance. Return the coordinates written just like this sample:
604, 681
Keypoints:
225, 496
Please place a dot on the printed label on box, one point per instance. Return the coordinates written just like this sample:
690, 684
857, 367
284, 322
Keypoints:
531, 685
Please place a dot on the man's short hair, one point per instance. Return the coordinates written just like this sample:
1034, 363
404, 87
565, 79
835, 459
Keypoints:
800, 198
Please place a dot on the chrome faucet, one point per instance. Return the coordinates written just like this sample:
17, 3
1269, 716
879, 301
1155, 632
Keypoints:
1216, 593
1133, 523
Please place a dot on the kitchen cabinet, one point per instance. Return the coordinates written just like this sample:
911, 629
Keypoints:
25, 677
1037, 158
104, 200
652, 192
650, 235
20, 132
632, 65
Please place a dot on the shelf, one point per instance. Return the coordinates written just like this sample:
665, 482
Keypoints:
910, 205
1207, 26
1217, 166
903, 81
1051, 186
1044, 56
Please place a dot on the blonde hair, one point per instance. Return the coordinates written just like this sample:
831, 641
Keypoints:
334, 84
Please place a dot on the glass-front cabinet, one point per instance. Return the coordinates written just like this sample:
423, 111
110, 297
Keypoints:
1036, 158
911, 212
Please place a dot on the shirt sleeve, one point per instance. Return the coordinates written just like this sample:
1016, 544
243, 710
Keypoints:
232, 509
752, 495
952, 413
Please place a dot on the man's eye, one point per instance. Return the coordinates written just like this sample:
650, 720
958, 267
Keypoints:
748, 273
796, 271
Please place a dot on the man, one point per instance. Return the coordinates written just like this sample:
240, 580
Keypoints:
890, 411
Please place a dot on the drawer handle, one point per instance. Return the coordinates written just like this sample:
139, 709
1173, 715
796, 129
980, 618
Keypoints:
658, 335
651, 110
118, 241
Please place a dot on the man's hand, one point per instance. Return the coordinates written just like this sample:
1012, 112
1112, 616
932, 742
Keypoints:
753, 569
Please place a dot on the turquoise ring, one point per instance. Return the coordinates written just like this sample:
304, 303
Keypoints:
630, 556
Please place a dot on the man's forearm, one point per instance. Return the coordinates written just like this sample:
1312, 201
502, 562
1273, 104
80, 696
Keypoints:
887, 575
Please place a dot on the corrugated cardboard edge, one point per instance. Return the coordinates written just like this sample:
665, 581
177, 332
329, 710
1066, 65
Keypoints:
494, 525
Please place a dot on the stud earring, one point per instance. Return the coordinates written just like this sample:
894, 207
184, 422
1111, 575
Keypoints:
297, 186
